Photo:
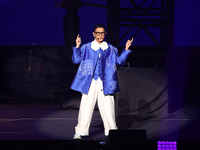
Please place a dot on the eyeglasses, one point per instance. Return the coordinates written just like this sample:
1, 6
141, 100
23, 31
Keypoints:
100, 33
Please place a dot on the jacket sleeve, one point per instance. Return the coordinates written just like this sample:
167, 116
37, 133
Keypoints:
121, 59
76, 56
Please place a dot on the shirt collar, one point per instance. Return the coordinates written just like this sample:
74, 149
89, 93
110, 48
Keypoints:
95, 45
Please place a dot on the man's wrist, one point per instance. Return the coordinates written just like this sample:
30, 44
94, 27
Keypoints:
126, 48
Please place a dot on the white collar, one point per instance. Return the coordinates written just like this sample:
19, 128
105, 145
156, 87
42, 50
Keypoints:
95, 45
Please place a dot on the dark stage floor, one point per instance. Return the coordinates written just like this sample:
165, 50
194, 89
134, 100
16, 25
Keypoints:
49, 122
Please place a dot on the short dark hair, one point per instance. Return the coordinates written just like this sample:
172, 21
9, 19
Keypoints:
99, 26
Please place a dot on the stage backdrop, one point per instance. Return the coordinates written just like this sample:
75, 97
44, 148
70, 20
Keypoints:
41, 22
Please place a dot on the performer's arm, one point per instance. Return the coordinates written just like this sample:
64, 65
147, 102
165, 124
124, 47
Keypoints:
76, 56
121, 60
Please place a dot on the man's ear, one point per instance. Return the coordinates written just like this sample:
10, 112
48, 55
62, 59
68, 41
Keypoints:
93, 34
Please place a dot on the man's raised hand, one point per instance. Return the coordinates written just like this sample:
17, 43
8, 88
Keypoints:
128, 44
78, 41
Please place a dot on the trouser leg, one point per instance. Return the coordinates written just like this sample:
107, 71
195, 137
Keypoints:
106, 106
86, 110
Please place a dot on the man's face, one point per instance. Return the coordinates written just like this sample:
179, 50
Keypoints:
99, 35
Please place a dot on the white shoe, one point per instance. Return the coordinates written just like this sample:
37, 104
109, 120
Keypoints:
77, 137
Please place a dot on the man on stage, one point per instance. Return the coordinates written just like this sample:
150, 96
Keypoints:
96, 79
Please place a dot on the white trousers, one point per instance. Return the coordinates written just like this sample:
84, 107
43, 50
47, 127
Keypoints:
106, 107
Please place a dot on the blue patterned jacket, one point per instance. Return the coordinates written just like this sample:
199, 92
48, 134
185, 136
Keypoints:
87, 56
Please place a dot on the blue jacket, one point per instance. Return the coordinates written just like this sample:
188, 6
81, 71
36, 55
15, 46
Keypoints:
87, 56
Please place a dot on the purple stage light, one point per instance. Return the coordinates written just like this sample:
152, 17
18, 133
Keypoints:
166, 145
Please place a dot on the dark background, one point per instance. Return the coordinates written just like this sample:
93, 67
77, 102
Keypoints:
41, 22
